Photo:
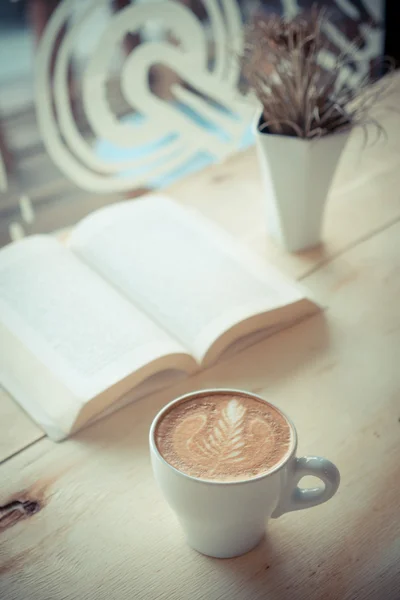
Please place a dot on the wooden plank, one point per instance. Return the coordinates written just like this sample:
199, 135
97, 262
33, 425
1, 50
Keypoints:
104, 531
17, 430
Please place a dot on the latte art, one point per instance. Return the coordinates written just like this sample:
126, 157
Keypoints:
223, 437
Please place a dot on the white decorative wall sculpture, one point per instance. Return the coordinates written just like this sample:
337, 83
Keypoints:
214, 101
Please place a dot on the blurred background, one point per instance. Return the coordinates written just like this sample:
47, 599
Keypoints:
83, 124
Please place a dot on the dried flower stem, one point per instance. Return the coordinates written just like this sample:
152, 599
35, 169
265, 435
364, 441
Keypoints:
281, 62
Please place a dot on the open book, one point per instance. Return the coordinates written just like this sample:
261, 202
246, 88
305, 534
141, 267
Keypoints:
144, 287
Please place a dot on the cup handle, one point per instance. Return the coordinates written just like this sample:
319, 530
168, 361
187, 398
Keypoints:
296, 498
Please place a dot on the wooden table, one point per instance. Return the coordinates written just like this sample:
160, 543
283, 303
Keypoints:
103, 531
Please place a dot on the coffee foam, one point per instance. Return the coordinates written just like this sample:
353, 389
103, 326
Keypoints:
223, 437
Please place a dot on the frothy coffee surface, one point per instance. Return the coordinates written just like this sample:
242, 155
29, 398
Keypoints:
223, 437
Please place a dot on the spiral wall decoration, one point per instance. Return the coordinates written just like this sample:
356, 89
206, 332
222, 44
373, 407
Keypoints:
208, 88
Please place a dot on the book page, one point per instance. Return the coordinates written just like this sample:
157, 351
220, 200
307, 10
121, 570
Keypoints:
183, 271
76, 324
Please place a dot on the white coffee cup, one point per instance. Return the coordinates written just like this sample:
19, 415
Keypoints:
227, 519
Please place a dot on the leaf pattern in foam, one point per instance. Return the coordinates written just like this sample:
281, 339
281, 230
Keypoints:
225, 441
215, 439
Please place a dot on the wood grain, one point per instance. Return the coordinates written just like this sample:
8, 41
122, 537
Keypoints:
17, 430
104, 531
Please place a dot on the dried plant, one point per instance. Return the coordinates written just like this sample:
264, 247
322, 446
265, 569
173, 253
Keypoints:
282, 64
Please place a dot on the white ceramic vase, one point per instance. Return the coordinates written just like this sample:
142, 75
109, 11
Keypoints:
297, 175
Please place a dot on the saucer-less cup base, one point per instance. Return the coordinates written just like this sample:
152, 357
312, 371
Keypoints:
227, 519
224, 543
